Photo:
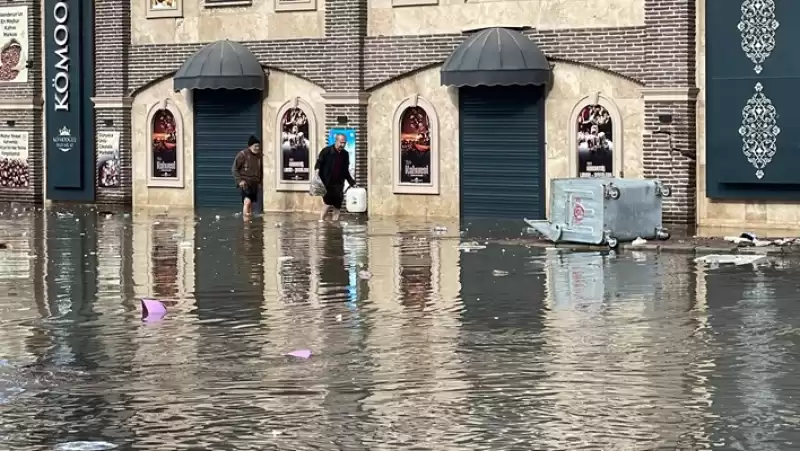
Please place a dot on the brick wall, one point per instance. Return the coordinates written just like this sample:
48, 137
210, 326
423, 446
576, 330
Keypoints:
112, 38
659, 54
671, 62
27, 118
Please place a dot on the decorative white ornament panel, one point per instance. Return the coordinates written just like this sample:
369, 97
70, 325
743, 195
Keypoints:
759, 130
758, 27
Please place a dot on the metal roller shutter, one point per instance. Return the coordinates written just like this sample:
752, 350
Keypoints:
502, 152
223, 122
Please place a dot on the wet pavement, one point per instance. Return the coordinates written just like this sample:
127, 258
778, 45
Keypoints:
419, 343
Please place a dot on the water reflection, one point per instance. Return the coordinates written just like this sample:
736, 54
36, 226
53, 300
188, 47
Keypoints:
418, 344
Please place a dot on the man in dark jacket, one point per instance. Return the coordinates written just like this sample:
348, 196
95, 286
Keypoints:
247, 173
333, 168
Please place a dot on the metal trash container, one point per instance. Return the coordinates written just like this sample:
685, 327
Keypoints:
603, 211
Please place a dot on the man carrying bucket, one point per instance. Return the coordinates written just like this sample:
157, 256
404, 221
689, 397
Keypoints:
333, 168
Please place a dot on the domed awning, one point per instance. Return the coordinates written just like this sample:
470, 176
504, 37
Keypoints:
221, 65
496, 57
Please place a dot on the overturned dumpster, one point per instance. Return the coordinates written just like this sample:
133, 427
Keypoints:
603, 211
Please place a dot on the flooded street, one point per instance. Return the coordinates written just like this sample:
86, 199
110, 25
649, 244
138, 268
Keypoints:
417, 342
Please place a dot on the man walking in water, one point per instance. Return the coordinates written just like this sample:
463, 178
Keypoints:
333, 168
247, 173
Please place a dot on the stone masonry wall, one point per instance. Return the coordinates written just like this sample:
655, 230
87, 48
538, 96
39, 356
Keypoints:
21, 105
660, 54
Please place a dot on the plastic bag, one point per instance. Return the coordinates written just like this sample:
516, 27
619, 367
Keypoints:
316, 187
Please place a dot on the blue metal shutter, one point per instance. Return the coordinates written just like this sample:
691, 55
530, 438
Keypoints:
223, 122
502, 152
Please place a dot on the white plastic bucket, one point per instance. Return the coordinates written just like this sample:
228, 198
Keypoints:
356, 200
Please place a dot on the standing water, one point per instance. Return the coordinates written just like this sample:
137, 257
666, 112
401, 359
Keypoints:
417, 340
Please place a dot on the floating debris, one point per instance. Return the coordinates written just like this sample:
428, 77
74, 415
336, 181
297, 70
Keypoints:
499, 273
84, 446
285, 258
471, 246
300, 353
728, 259
639, 241
153, 309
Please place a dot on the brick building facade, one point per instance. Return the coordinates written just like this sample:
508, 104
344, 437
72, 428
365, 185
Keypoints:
362, 58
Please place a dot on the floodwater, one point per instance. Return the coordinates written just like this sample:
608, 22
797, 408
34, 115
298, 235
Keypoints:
417, 343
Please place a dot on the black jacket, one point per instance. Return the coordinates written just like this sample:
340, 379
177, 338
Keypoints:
326, 161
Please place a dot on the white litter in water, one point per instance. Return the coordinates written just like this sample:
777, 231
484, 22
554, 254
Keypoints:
499, 273
285, 258
364, 274
639, 241
471, 246
84, 446
339, 318
728, 259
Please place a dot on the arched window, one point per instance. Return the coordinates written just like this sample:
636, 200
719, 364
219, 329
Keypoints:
165, 146
296, 136
596, 138
416, 149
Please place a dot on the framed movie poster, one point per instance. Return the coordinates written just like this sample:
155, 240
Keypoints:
295, 145
595, 142
416, 154
415, 147
159, 9
165, 145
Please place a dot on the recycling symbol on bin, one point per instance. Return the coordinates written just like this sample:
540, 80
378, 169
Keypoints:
578, 213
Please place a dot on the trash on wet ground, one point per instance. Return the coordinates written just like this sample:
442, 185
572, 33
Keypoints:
729, 259
639, 241
285, 258
364, 275
748, 239
499, 273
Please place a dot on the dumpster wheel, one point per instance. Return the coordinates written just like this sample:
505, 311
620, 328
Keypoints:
612, 242
613, 192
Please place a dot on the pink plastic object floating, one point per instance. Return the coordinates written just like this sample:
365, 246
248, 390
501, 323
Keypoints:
300, 353
153, 310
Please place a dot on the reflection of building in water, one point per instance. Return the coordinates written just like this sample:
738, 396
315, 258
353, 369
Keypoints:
70, 249
293, 262
619, 350
414, 350
112, 253
17, 284
164, 257
753, 390
415, 269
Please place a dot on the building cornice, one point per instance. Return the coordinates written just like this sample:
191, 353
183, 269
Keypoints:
669, 94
